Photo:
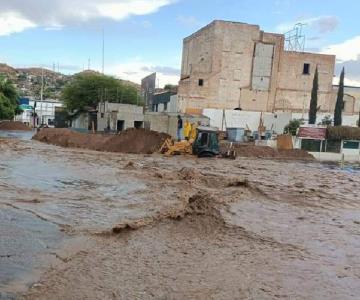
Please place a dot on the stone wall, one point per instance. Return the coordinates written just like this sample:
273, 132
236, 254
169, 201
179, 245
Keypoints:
228, 65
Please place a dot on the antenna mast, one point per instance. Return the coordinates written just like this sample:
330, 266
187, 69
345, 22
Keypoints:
295, 38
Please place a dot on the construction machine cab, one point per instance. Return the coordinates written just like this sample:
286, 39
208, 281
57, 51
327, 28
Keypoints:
206, 143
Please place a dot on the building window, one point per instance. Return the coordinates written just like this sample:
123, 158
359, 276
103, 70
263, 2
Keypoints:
102, 115
351, 145
201, 82
306, 70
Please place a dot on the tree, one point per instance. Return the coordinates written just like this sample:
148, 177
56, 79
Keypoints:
9, 105
314, 98
88, 89
339, 101
170, 87
293, 126
327, 121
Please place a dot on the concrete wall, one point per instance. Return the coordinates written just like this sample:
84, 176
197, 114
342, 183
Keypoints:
111, 113
167, 122
351, 99
272, 121
242, 66
81, 122
294, 87
247, 119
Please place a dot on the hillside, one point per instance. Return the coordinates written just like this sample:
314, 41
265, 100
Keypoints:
28, 81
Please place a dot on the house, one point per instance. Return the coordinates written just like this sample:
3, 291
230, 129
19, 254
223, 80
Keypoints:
331, 143
165, 101
119, 117
84, 119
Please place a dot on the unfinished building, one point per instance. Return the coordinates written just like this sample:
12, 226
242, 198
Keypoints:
231, 65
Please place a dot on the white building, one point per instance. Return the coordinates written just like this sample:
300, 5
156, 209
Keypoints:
45, 112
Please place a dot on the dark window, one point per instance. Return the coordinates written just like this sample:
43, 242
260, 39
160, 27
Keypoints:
310, 145
138, 124
201, 82
306, 70
333, 146
165, 106
102, 115
351, 145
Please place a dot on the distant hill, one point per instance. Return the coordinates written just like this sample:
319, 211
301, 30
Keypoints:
8, 71
28, 81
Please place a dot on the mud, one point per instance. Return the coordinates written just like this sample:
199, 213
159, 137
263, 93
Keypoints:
10, 125
187, 228
130, 141
249, 150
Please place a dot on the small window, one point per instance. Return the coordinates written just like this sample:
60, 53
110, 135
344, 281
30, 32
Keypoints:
351, 145
201, 82
306, 70
102, 115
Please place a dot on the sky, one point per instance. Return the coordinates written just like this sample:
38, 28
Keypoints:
145, 36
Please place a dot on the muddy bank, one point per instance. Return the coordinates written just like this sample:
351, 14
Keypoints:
129, 141
244, 150
10, 125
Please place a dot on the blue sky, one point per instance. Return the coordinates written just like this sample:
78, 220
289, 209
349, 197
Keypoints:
146, 35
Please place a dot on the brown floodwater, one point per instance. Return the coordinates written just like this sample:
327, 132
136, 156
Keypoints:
185, 227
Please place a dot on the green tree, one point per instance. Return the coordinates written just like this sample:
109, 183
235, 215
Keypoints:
88, 89
314, 98
9, 105
339, 101
293, 126
326, 121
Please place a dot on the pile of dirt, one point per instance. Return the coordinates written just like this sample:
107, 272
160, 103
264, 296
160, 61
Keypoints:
137, 141
10, 125
268, 152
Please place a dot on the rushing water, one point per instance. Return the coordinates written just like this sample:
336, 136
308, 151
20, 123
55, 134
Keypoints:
46, 191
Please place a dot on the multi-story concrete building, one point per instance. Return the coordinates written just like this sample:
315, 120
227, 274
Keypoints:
231, 65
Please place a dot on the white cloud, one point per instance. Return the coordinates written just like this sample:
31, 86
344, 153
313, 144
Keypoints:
345, 51
19, 15
347, 81
11, 22
136, 69
321, 24
348, 57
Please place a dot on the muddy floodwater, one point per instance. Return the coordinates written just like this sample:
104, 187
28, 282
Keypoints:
79, 224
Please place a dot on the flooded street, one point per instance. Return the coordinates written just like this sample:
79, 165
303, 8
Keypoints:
79, 224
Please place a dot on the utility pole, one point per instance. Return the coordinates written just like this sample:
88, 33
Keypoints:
41, 93
103, 51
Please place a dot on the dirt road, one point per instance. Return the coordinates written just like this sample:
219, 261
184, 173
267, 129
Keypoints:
185, 228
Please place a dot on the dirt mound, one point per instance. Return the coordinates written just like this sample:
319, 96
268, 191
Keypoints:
268, 152
10, 125
138, 141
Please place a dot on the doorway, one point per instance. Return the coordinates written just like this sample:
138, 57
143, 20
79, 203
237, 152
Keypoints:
120, 125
